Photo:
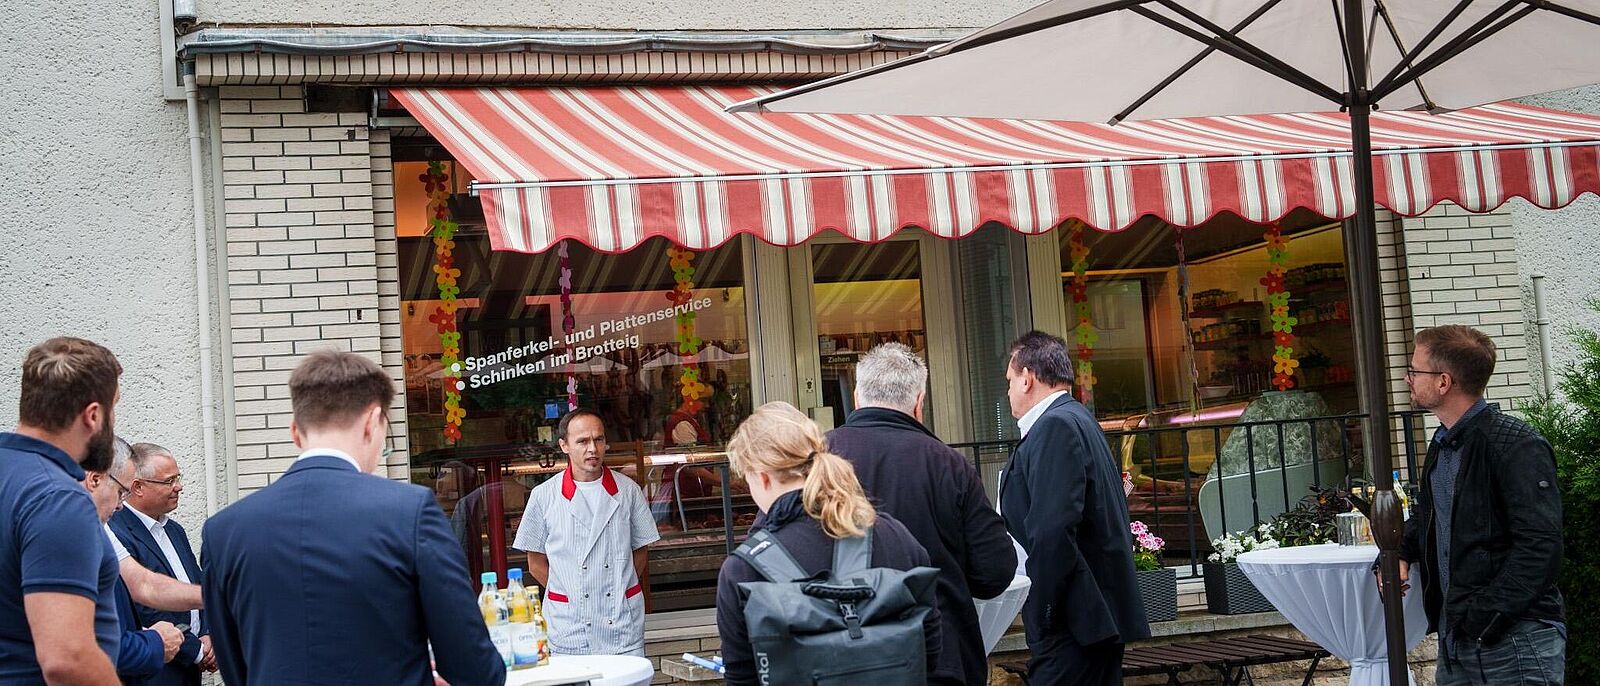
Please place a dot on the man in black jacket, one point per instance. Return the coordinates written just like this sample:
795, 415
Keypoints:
1485, 536
1062, 498
936, 493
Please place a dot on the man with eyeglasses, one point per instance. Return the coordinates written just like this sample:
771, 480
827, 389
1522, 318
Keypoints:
144, 649
162, 545
1484, 541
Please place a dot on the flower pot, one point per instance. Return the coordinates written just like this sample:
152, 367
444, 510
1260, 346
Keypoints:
1159, 588
1230, 592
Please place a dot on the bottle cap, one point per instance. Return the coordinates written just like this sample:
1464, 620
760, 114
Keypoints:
515, 573
488, 577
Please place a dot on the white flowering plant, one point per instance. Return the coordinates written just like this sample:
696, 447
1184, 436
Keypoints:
1229, 546
1147, 547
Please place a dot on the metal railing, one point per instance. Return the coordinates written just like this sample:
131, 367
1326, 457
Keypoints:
1168, 494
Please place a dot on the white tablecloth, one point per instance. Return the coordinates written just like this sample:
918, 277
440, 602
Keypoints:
614, 670
1330, 593
996, 614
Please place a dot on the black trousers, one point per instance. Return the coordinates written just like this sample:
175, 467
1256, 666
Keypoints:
1060, 661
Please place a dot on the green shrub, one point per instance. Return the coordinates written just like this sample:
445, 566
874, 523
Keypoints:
1572, 425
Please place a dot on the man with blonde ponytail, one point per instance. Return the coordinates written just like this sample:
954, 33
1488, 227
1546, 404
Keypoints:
810, 500
936, 493
1061, 494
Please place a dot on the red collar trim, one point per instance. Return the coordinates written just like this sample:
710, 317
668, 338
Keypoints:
569, 487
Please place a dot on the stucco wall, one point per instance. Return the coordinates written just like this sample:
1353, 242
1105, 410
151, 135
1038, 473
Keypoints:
98, 239
644, 15
1562, 244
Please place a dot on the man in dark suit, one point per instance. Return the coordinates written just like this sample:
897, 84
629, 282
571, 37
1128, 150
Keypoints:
332, 575
1061, 495
162, 545
936, 493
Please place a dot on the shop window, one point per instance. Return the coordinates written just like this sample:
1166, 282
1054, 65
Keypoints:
670, 390
1179, 326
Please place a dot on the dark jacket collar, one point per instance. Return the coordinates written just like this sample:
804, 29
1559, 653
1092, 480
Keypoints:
885, 418
28, 444
1452, 436
320, 462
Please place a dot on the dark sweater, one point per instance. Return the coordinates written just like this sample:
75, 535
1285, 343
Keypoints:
937, 495
892, 548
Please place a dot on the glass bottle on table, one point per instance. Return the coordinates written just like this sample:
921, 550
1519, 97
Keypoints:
528, 641
495, 614
538, 620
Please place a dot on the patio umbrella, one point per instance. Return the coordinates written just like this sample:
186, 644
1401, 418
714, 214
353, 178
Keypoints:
1094, 60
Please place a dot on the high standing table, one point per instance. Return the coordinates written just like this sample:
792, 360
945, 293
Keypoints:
1330, 593
594, 670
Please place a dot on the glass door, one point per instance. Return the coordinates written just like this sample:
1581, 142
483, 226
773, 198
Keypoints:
851, 297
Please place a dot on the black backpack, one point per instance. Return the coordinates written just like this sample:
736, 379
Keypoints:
854, 625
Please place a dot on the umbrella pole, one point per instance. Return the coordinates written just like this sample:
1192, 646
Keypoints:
1361, 246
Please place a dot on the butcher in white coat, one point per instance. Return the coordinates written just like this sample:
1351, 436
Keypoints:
585, 533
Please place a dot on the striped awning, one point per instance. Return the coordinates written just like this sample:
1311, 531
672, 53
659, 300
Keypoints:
613, 166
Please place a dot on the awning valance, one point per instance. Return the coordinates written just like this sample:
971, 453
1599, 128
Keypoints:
612, 166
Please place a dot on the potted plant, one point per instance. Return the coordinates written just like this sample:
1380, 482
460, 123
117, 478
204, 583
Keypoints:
1228, 590
1158, 585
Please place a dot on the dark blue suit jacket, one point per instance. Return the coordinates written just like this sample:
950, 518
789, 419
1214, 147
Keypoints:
140, 654
1062, 500
331, 576
129, 529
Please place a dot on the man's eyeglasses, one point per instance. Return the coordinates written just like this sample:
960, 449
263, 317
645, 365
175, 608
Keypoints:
176, 479
1412, 372
122, 491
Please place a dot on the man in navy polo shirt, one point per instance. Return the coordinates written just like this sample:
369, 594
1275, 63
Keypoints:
58, 618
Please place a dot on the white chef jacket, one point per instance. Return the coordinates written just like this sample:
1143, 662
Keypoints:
594, 601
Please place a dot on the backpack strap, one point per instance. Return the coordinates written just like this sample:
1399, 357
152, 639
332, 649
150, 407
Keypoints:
851, 555
763, 551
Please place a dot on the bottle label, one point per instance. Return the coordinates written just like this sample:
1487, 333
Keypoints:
525, 645
501, 636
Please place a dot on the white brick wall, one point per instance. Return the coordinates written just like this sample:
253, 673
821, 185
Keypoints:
302, 256
1462, 269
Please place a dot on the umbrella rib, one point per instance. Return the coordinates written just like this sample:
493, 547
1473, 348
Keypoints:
1189, 65
1569, 12
1455, 47
1433, 34
1400, 45
1344, 44
1265, 63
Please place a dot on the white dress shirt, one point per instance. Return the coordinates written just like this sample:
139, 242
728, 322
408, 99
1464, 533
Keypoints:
122, 552
1034, 413
158, 531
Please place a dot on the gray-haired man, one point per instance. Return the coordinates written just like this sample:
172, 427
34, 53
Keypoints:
935, 492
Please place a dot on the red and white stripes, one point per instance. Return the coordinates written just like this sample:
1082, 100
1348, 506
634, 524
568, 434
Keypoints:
613, 166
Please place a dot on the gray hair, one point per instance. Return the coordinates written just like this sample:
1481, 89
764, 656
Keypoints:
121, 457
142, 452
891, 375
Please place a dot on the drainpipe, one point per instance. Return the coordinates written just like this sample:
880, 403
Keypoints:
202, 279
1546, 370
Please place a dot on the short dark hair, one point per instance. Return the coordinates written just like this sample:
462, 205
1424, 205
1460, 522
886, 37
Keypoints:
332, 388
1044, 355
62, 376
572, 415
1466, 353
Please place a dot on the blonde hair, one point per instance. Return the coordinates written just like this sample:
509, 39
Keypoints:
779, 439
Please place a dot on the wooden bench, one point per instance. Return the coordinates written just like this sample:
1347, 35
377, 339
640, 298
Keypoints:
1232, 658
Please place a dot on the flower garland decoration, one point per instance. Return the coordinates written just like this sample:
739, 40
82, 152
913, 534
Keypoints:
437, 184
1084, 331
690, 387
1283, 362
569, 323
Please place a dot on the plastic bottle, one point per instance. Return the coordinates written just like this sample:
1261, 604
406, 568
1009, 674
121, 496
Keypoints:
528, 641
495, 615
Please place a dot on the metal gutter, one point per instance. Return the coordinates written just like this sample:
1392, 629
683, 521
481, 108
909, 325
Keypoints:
450, 39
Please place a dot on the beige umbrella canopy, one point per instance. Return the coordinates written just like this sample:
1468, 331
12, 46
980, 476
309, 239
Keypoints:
1100, 61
